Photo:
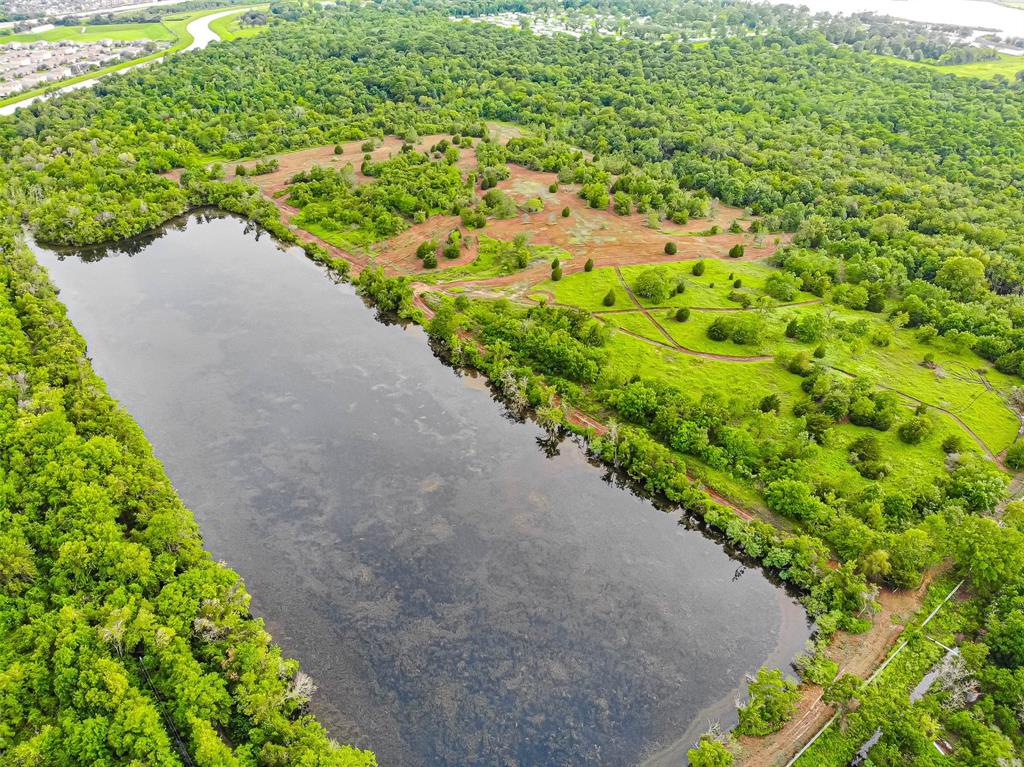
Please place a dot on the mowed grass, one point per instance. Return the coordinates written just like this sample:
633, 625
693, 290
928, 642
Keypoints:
86, 34
587, 290
954, 384
636, 322
229, 27
1006, 65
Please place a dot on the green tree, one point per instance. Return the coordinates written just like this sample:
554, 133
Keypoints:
772, 703
962, 276
709, 753
653, 284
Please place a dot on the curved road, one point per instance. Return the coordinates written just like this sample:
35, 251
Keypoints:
201, 34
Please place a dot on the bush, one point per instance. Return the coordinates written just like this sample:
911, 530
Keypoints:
720, 329
772, 703
954, 443
553, 188
698, 269
709, 753
682, 314
555, 263
556, 274
782, 286
425, 248
1015, 456
589, 266
430, 260
670, 248
339, 149
914, 430
566, 212
653, 284
736, 251
819, 353
771, 403
609, 299
737, 283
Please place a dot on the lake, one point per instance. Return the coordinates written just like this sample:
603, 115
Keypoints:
463, 589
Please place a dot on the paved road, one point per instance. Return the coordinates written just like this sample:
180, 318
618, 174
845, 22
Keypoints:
202, 36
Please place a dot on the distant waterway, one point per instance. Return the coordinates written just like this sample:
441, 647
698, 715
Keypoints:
464, 589
976, 14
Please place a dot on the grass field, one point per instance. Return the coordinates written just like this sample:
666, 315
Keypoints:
228, 27
153, 31
1005, 65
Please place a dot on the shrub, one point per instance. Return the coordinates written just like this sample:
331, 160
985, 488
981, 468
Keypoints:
1015, 456
609, 299
954, 443
782, 286
737, 283
566, 212
736, 251
734, 227
589, 266
720, 329
709, 753
914, 430
772, 703
670, 248
653, 284
425, 248
553, 188
555, 263
430, 260
556, 273
339, 149
698, 269
819, 353
771, 403
682, 314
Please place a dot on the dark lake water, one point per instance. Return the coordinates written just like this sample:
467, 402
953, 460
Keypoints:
462, 592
